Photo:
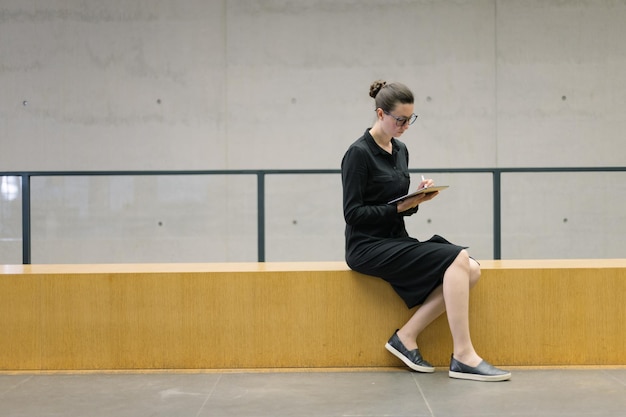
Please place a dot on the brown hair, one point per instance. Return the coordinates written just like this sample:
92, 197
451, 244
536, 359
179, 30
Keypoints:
388, 95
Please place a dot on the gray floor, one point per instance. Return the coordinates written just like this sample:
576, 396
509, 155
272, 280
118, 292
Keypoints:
532, 393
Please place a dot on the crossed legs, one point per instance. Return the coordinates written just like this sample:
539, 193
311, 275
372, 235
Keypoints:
451, 297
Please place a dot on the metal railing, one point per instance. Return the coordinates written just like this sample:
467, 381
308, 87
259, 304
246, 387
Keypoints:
261, 174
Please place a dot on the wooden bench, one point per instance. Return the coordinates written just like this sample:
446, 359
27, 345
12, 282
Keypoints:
296, 315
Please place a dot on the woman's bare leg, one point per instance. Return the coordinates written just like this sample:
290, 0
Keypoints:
456, 286
432, 308
435, 304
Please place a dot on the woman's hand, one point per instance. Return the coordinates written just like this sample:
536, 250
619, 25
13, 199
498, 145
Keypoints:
425, 183
415, 201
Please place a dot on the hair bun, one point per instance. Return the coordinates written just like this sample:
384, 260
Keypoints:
376, 87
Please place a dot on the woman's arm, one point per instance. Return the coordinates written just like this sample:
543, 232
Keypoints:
354, 176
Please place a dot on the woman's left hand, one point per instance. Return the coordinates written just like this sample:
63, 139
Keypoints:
415, 201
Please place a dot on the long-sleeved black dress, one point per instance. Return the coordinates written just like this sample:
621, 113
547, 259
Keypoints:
377, 242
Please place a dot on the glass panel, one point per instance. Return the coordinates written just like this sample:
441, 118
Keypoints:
304, 220
10, 220
213, 218
130, 219
463, 213
563, 215
304, 216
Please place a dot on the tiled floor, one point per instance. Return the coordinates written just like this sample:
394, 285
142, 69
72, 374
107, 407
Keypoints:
392, 393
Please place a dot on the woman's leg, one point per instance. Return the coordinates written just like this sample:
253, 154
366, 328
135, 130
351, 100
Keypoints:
453, 297
456, 286
433, 307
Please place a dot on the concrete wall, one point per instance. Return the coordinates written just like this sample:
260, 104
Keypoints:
278, 84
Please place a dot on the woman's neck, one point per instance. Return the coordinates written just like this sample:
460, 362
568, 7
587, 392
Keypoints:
381, 139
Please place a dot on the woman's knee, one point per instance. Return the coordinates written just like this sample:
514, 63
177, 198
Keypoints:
463, 259
474, 272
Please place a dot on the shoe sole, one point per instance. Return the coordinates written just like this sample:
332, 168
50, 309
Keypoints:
477, 377
407, 362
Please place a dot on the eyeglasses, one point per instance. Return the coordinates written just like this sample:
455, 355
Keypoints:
401, 121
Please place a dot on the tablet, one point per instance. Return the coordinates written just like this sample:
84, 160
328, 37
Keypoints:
426, 190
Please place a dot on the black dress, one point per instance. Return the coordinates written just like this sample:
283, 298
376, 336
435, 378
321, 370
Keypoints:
377, 242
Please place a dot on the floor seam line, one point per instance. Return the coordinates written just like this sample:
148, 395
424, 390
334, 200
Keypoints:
417, 384
614, 378
209, 395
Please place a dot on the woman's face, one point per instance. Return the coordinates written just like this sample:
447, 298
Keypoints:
400, 115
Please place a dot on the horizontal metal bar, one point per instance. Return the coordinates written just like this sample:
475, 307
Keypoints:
301, 171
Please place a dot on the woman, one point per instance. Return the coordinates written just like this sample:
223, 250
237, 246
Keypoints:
434, 274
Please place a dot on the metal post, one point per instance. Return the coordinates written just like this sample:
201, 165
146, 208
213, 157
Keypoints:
26, 244
261, 216
497, 214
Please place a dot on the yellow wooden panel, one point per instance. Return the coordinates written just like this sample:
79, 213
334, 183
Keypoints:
20, 322
291, 315
551, 316
220, 320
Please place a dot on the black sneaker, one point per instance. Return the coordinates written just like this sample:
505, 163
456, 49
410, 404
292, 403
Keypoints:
412, 358
483, 372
